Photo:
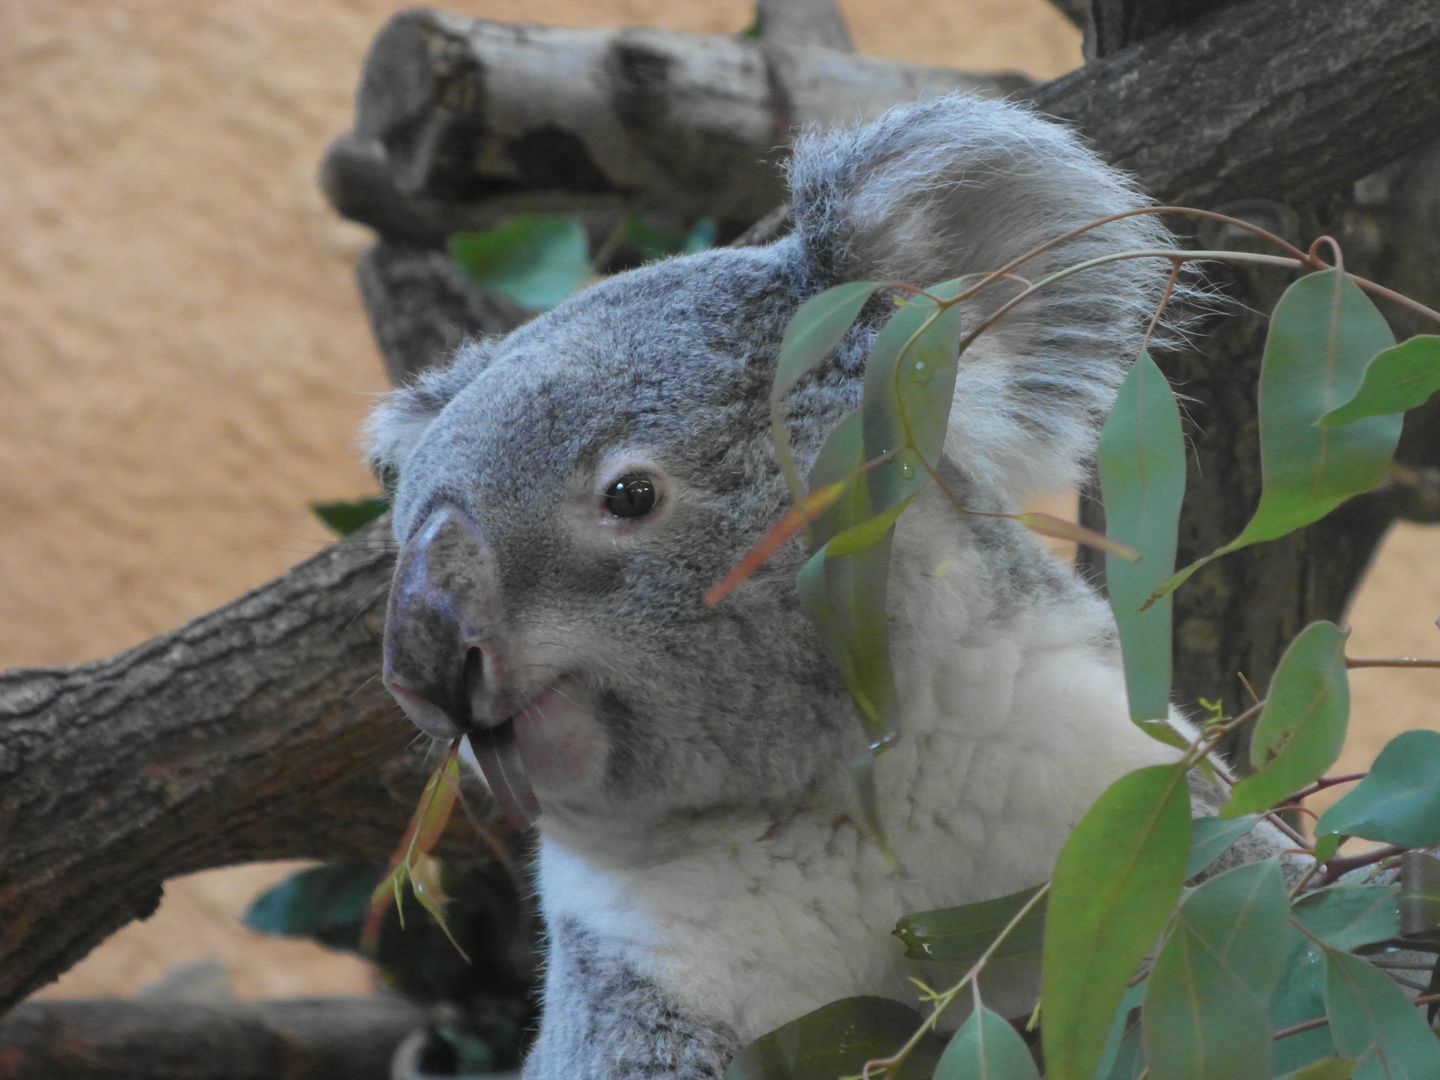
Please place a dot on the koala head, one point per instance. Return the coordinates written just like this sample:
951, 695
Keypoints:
566, 494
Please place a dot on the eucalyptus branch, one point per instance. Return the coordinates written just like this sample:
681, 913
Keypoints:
1337, 868
1323, 783
942, 1001
1391, 662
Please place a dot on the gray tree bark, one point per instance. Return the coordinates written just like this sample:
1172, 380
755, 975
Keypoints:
303, 1039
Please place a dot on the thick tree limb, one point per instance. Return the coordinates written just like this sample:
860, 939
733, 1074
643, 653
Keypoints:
1280, 99
303, 1039
1285, 99
259, 731
461, 122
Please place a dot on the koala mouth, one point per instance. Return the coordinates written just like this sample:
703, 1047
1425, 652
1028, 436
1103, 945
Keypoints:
497, 752
553, 739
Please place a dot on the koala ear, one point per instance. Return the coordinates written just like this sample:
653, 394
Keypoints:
396, 425
960, 185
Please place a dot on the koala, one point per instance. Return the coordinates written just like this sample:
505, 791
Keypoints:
567, 494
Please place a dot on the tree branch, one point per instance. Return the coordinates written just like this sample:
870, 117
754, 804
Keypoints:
462, 122
1282, 99
259, 731
301, 1039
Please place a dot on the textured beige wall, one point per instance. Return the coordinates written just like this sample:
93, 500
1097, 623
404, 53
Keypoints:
183, 358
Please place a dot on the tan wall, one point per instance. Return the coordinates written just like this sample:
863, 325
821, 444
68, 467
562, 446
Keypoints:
184, 362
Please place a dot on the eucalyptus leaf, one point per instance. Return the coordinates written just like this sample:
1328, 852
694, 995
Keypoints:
819, 325
1240, 917
1348, 916
536, 260
1322, 335
836, 1040
814, 330
1302, 727
343, 518
1398, 378
1120, 1029
908, 392
1130, 1063
1141, 460
986, 1048
1200, 1020
1298, 998
964, 933
1116, 880
839, 461
1373, 1022
1399, 801
1326, 1069
846, 600
1211, 837
867, 534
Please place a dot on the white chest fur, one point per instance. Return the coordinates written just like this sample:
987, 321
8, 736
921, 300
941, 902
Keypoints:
1010, 730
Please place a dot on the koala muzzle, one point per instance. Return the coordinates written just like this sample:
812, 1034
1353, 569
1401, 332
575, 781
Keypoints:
445, 657
440, 630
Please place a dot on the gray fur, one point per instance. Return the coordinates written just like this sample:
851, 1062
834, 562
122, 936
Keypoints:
715, 729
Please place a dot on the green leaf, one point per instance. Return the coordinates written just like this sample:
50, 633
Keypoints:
1240, 916
987, 1048
1322, 335
1116, 880
1399, 802
812, 334
1142, 481
654, 242
1398, 378
1348, 916
964, 933
1201, 1022
815, 329
846, 600
343, 518
1297, 998
1211, 837
535, 260
836, 1040
1373, 1022
701, 237
867, 534
1302, 727
1120, 1030
327, 903
1326, 1069
908, 393
657, 243
1130, 1063
1327, 845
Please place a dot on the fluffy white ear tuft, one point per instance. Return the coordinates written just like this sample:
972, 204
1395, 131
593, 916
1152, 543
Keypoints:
398, 422
963, 185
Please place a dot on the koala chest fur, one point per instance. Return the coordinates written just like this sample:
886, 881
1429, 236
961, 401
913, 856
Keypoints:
567, 494
1014, 721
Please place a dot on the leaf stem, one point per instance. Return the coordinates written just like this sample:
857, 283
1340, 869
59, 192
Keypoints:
1323, 783
942, 1001
1390, 661
1337, 868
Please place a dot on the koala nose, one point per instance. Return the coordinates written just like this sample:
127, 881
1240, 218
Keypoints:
442, 654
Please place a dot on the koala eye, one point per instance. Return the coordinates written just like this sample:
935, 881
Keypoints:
633, 495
